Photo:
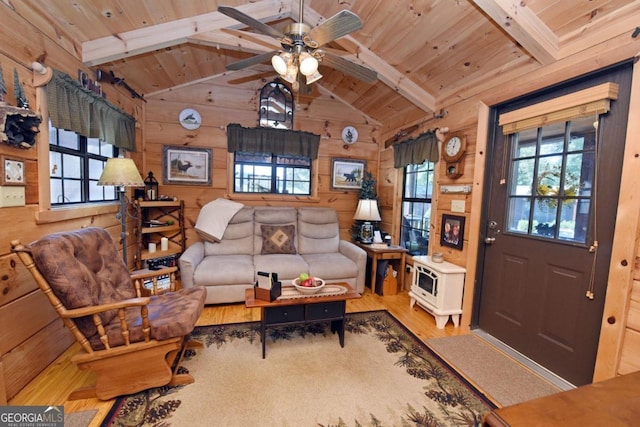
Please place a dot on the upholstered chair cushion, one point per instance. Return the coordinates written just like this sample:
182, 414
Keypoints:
170, 315
84, 268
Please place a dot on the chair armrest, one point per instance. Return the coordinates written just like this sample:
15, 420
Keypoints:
139, 276
359, 257
146, 273
189, 260
97, 309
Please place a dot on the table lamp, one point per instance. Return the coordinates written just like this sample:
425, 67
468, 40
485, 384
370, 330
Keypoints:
367, 211
121, 173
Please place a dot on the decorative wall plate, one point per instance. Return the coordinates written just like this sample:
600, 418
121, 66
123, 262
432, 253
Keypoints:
349, 135
190, 119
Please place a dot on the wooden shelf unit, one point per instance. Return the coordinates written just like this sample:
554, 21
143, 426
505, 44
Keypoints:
162, 211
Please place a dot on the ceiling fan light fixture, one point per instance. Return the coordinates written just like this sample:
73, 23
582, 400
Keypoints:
308, 64
292, 73
279, 63
314, 77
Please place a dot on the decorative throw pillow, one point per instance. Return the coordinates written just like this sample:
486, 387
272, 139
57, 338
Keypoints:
278, 239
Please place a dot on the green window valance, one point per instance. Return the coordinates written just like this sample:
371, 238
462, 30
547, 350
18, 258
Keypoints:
416, 151
74, 108
272, 141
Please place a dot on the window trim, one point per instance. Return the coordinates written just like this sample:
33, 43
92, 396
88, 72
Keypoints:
313, 197
45, 214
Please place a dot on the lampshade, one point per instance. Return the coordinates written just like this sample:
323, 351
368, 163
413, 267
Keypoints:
121, 172
367, 211
308, 64
314, 77
279, 63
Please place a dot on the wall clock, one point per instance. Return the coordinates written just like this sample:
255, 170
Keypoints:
453, 149
349, 135
190, 119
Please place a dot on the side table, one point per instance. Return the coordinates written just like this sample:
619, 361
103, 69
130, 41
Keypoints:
380, 251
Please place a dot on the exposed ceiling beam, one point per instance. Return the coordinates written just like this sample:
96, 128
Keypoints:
524, 26
147, 39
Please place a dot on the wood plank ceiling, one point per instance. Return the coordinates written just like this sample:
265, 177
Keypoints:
427, 53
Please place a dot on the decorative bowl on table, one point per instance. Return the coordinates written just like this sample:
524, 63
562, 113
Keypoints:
308, 290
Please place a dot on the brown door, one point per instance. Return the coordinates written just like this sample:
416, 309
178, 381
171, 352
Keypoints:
552, 193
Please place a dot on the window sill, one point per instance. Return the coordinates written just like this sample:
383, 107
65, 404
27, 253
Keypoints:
75, 212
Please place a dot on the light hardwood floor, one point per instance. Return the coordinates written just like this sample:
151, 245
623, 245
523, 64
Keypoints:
55, 383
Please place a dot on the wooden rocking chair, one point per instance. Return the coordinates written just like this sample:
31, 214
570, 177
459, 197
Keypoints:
130, 341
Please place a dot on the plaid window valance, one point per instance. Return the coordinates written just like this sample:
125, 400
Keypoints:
74, 108
416, 151
272, 141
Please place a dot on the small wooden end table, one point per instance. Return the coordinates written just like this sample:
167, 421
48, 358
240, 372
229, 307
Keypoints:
380, 251
302, 310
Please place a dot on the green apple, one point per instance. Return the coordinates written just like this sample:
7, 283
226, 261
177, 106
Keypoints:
302, 277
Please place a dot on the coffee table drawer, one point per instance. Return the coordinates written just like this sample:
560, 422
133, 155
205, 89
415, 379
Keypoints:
293, 313
325, 310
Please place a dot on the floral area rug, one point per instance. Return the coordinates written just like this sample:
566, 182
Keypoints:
384, 376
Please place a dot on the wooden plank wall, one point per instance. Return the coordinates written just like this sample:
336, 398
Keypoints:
220, 103
31, 336
37, 339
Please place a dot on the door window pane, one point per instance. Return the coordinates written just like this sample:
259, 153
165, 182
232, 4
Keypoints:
555, 165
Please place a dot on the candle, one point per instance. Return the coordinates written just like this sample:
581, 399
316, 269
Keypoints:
164, 244
152, 248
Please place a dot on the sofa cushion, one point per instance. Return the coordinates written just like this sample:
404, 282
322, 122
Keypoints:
331, 266
318, 230
278, 239
287, 267
225, 270
214, 217
237, 238
269, 215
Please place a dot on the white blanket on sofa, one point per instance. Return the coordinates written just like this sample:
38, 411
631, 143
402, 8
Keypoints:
214, 218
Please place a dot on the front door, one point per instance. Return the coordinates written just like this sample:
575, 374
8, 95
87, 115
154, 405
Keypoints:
550, 215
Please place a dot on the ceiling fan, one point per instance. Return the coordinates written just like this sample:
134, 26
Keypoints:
301, 54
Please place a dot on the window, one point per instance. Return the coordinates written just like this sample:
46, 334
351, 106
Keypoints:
76, 163
276, 106
552, 171
270, 173
416, 207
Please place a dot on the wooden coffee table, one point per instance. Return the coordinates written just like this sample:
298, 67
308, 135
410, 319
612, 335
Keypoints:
302, 310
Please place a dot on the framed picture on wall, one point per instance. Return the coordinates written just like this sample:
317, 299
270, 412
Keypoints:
452, 231
186, 165
12, 171
346, 174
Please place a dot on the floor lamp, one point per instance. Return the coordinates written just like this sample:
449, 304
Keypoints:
122, 173
367, 211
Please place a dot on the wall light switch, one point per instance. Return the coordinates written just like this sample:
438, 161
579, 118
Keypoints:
11, 196
457, 206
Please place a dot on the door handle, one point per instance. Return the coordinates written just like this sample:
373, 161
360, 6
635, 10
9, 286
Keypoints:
489, 240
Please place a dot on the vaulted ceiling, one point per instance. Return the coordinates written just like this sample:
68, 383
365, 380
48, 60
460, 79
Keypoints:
427, 53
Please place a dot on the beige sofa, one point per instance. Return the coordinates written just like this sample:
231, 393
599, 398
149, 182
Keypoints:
282, 240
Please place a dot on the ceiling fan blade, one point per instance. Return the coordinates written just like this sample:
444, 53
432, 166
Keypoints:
340, 24
254, 60
358, 71
251, 22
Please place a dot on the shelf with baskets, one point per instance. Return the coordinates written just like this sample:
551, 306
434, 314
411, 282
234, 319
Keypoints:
159, 221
